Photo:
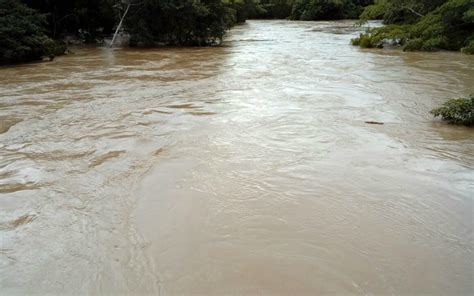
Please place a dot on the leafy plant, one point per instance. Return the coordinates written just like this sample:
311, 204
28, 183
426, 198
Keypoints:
179, 22
449, 25
22, 34
378, 37
307, 10
457, 111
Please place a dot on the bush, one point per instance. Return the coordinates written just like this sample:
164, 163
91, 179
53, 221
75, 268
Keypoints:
457, 111
414, 44
245, 9
378, 37
179, 22
274, 9
22, 34
88, 21
449, 26
399, 11
368, 41
469, 49
307, 10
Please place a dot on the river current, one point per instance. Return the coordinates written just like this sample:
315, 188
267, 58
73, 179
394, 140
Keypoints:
243, 169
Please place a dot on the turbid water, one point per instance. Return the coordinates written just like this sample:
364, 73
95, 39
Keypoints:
245, 169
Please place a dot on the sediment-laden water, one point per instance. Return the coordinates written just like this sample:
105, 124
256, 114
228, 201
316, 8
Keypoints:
241, 169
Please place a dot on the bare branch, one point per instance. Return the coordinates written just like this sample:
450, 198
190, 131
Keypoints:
120, 25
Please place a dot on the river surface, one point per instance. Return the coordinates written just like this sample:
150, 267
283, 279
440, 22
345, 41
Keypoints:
244, 169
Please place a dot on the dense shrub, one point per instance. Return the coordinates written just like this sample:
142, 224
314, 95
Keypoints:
469, 49
22, 34
379, 37
327, 9
274, 9
179, 22
245, 9
28, 27
400, 11
457, 111
449, 26
85, 20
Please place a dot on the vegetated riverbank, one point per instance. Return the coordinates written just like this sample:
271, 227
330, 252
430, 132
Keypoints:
421, 25
31, 30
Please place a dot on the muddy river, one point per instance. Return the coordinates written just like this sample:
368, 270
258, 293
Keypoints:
245, 169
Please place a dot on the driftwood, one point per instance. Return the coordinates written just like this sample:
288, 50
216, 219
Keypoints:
374, 122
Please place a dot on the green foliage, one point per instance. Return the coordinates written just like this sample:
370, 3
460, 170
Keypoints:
87, 20
449, 26
414, 44
457, 111
275, 9
175, 22
446, 27
400, 11
326, 9
179, 22
245, 9
378, 37
149, 22
469, 49
369, 41
22, 34
374, 11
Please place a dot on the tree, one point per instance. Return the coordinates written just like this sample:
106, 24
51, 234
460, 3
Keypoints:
179, 22
327, 9
87, 20
450, 26
400, 11
274, 9
245, 9
22, 33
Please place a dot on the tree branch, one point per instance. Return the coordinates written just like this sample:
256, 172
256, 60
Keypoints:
120, 24
414, 12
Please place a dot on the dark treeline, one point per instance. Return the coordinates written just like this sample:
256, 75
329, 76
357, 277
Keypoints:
31, 29
180, 22
83, 19
307, 10
327, 9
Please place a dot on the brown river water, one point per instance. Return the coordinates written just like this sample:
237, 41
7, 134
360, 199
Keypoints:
245, 169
